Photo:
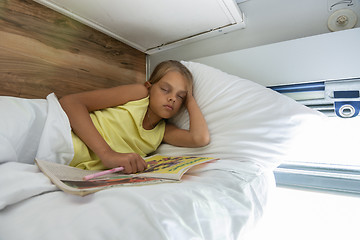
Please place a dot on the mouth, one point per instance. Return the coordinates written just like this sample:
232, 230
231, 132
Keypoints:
168, 107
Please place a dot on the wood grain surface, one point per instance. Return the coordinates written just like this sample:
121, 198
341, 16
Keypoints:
42, 51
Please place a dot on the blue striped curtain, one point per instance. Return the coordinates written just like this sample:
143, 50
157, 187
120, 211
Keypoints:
332, 97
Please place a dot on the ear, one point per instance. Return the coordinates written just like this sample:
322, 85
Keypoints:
147, 84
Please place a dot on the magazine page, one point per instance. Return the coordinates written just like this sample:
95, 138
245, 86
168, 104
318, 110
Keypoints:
160, 169
70, 179
171, 167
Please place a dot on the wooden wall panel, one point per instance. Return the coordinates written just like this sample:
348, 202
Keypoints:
42, 51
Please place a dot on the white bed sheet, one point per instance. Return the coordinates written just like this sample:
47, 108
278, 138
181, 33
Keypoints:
215, 201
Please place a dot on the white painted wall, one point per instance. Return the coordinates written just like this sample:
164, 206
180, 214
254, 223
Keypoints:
334, 55
267, 21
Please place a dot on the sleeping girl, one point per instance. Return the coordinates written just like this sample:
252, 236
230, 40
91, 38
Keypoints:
127, 122
121, 125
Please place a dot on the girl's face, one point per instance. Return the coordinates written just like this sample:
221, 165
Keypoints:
168, 94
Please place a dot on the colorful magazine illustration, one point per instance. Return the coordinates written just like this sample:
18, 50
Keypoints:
160, 169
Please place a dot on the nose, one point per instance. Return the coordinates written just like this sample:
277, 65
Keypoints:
171, 98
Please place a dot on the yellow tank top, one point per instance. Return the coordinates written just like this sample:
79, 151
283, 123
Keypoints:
122, 129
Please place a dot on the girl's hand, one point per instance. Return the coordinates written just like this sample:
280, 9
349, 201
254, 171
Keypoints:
189, 97
132, 162
190, 100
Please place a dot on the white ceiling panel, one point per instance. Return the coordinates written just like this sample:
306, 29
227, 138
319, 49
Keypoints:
154, 25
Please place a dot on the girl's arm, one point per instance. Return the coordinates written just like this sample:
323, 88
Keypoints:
198, 133
77, 107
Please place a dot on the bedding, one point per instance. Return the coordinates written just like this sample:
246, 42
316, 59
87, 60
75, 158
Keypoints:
251, 128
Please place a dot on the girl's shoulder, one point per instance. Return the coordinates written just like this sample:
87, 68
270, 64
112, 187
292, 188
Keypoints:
129, 93
105, 98
137, 90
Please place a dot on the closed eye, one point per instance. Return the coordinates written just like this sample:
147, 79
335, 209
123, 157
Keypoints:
181, 97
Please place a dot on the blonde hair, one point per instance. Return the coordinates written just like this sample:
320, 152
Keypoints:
171, 65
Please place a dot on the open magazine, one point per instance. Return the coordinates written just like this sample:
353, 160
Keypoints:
160, 169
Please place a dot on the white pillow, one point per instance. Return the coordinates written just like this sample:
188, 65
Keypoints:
247, 121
